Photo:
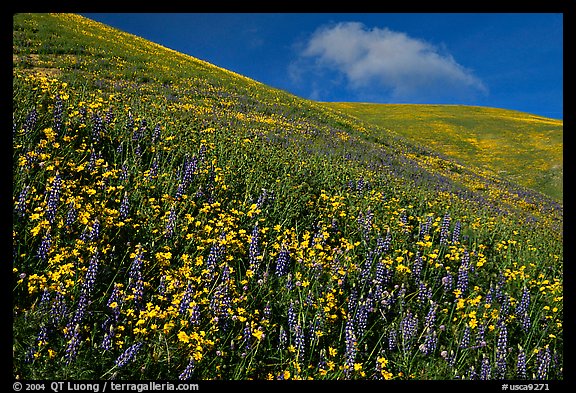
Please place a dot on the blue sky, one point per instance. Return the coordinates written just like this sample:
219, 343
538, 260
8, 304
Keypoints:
511, 61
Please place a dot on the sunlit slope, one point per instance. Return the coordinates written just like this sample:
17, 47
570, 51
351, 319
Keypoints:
521, 147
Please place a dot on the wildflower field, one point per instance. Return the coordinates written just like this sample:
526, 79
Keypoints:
520, 147
175, 220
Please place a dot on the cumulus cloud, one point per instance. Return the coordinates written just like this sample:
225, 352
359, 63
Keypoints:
402, 67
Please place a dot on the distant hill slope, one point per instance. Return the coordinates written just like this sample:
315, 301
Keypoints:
520, 147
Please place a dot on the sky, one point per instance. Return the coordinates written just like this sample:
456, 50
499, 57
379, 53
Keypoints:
508, 60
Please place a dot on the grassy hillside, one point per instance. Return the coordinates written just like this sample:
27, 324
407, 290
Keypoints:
174, 220
521, 147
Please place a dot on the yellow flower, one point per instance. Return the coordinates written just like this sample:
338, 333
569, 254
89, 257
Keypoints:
259, 334
182, 336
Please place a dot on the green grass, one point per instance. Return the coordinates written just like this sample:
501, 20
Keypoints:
172, 219
521, 147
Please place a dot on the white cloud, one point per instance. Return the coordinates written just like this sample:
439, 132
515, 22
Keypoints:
375, 59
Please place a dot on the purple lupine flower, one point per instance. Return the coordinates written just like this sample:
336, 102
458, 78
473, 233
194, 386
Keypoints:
124, 207
92, 161
472, 375
262, 199
334, 225
128, 355
97, 128
188, 170
283, 339
220, 302
138, 151
501, 350
444, 229
59, 309
392, 340
186, 299
216, 252
254, 250
187, 373
247, 335
44, 300
456, 232
430, 342
21, 208
130, 123
480, 335
447, 281
54, 198
73, 344
380, 273
41, 340
465, 342
351, 345
314, 326
485, 369
504, 307
44, 247
425, 228
365, 222
292, 319
408, 328
94, 231
431, 316
156, 134
462, 283
58, 115
267, 311
417, 267
136, 265
162, 285
138, 133
136, 282
124, 173
424, 293
71, 215
109, 117
289, 283
153, 171
90, 278
195, 315
367, 267
543, 361
108, 328
170, 222
522, 307
526, 322
352, 301
382, 245
362, 317
322, 361
360, 185
282, 262
299, 342
30, 121
202, 153
521, 364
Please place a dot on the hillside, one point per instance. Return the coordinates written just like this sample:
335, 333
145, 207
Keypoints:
523, 148
175, 220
